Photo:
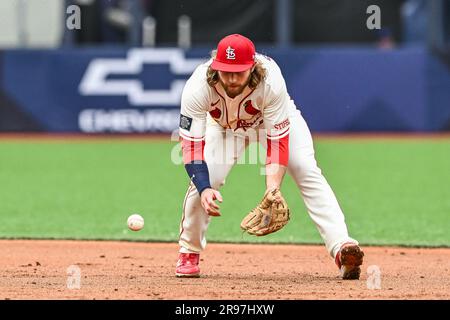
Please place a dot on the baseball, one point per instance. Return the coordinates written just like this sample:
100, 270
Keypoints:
135, 222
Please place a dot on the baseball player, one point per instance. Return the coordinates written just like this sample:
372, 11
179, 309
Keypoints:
228, 99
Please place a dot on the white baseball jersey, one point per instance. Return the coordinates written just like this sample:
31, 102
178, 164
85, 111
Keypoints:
266, 106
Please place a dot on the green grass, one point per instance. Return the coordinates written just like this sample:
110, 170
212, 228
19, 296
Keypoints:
392, 192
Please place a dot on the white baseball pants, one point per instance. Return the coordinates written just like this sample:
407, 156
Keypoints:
222, 151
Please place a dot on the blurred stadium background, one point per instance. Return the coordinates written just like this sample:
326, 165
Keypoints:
123, 69
342, 75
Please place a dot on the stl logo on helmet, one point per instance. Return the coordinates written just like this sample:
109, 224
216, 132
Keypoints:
230, 53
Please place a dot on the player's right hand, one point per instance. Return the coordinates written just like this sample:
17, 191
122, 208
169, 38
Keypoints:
207, 199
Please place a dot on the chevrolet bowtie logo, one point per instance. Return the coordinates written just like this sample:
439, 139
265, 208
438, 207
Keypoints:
95, 80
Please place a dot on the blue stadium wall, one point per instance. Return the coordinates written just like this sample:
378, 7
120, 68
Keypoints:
123, 90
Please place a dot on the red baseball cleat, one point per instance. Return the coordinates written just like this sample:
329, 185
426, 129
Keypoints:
348, 260
187, 265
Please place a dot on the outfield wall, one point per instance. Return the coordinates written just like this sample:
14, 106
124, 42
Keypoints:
138, 90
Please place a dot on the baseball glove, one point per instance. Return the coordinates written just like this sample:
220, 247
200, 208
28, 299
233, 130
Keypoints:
271, 214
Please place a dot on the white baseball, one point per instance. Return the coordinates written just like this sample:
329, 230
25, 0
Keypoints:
135, 222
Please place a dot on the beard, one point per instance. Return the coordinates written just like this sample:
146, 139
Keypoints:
234, 91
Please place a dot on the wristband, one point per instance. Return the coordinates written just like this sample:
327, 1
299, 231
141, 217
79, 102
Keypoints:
199, 174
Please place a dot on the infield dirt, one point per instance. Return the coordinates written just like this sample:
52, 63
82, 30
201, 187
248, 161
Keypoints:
38, 269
